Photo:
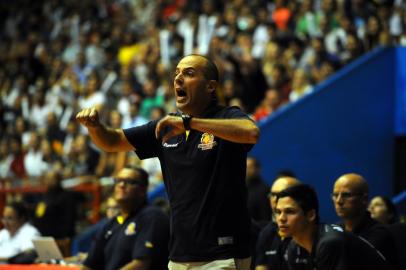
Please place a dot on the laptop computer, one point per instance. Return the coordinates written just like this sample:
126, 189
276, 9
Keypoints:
47, 249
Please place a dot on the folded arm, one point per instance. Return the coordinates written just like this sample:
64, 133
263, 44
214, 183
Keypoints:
234, 130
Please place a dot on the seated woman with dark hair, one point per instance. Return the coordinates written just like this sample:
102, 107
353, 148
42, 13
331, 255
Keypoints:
17, 235
384, 211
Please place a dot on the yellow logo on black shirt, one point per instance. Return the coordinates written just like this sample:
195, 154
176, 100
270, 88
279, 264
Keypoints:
207, 142
41, 209
149, 244
130, 230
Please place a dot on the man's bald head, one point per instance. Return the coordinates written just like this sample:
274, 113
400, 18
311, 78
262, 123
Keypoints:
350, 196
284, 182
281, 184
355, 182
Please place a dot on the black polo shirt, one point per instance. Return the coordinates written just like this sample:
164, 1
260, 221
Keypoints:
337, 250
205, 181
378, 235
271, 250
144, 234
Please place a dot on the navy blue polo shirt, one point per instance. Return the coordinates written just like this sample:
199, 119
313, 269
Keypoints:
205, 181
144, 234
271, 250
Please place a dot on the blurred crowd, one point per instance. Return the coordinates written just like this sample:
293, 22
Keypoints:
60, 56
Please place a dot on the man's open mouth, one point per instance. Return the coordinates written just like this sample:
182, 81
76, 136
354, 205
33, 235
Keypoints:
180, 93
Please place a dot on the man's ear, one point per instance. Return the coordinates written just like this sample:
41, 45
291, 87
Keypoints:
311, 216
212, 86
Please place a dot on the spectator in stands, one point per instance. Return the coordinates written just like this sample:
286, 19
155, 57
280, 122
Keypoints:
197, 149
22, 130
329, 247
82, 159
128, 105
16, 236
55, 213
350, 198
268, 105
152, 99
50, 159
137, 238
133, 119
373, 28
301, 85
281, 82
257, 200
384, 211
111, 163
39, 109
71, 133
17, 167
54, 134
353, 49
5, 159
91, 96
33, 162
271, 246
308, 23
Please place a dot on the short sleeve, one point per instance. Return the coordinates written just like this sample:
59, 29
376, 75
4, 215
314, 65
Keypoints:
143, 139
30, 234
95, 257
264, 239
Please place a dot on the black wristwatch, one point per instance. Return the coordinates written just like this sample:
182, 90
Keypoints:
186, 121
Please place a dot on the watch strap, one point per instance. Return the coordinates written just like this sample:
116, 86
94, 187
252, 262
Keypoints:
186, 121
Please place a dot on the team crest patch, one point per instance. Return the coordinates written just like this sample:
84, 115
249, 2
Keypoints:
130, 230
207, 142
148, 244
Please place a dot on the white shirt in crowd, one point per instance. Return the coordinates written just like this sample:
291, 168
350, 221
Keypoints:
21, 241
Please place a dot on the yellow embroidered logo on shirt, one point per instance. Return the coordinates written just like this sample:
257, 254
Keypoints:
130, 230
120, 219
40, 210
148, 244
207, 141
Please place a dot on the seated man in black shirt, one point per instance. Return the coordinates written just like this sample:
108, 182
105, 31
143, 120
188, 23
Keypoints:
138, 237
350, 198
330, 249
257, 201
271, 246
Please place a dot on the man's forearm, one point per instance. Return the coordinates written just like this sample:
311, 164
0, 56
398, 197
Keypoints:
235, 130
109, 139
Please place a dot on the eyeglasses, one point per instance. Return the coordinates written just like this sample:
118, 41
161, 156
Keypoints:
344, 195
125, 181
273, 194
